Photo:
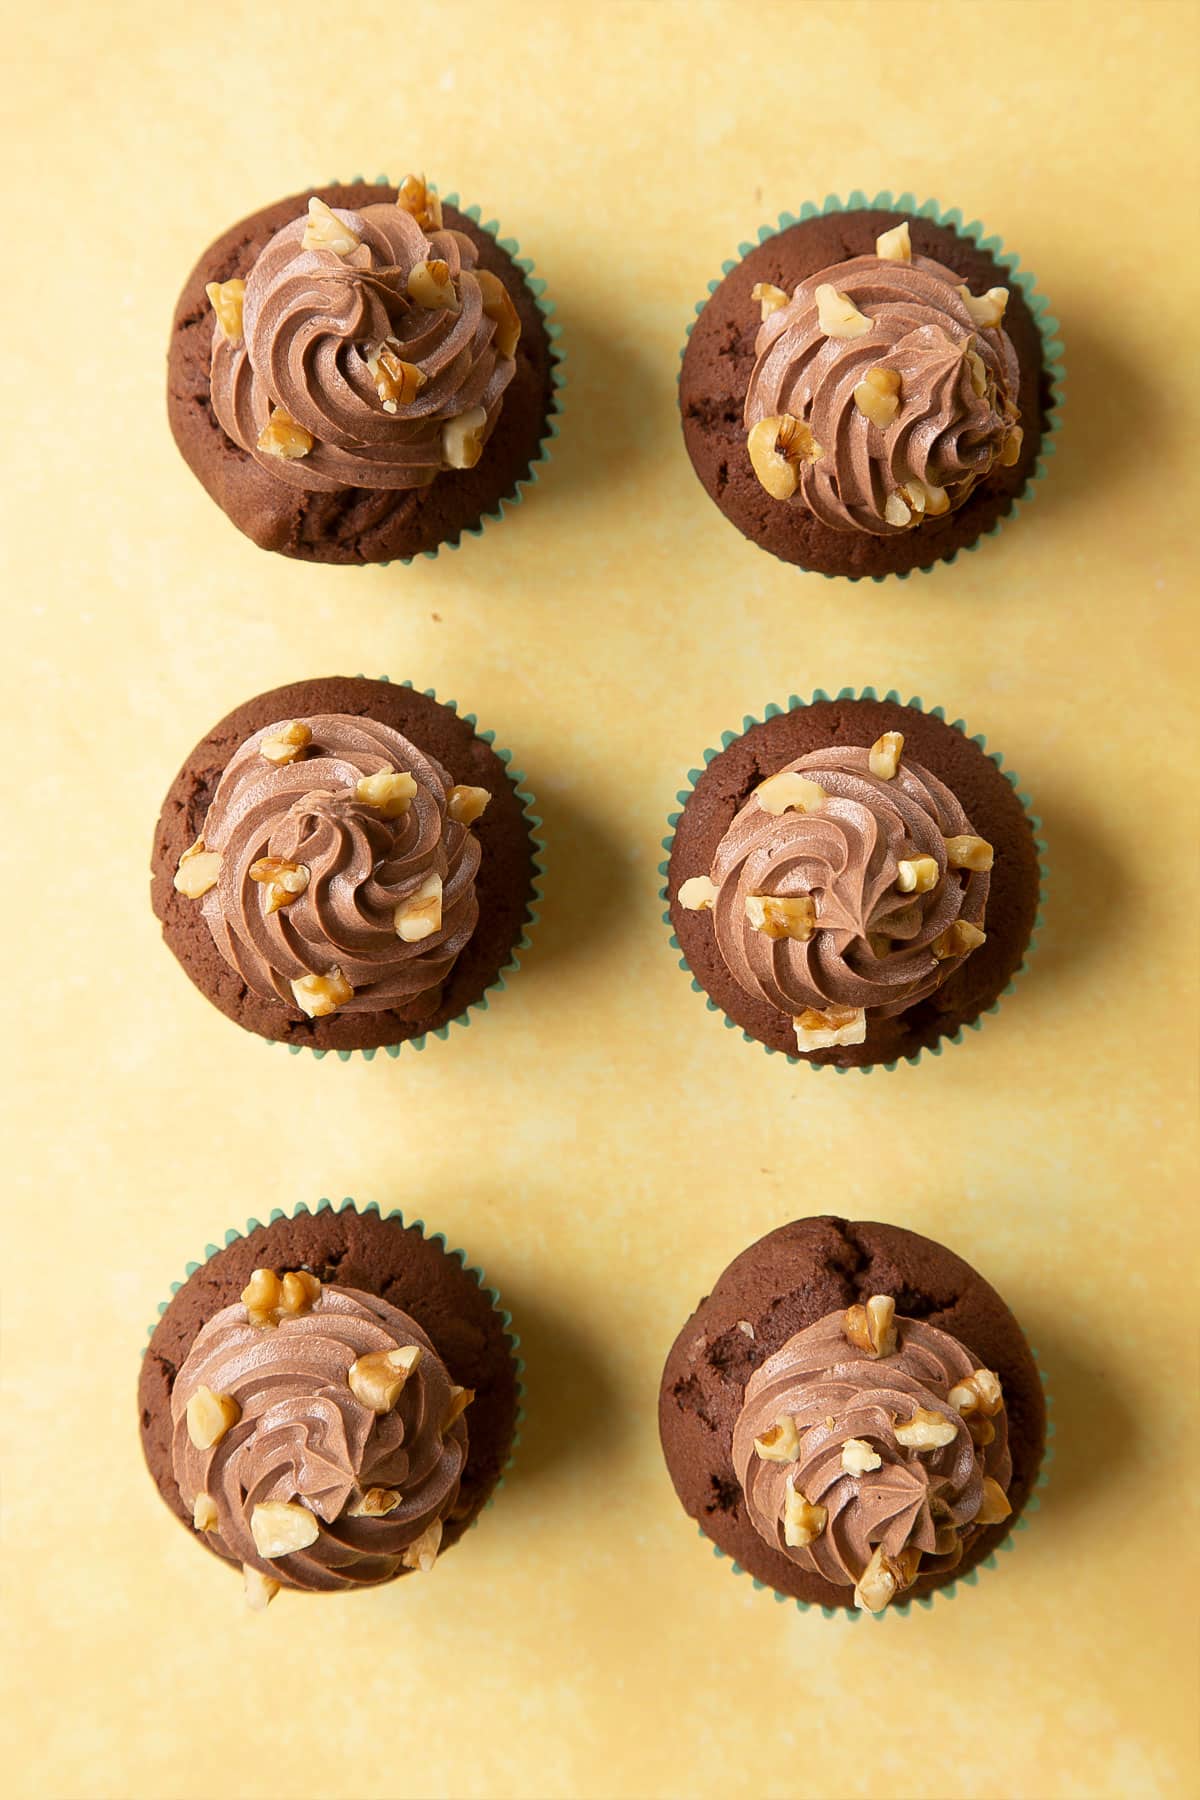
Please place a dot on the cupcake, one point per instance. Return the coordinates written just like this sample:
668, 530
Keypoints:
360, 373
853, 881
344, 864
853, 1415
329, 1402
866, 392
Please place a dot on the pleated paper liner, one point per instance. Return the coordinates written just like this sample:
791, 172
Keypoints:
918, 705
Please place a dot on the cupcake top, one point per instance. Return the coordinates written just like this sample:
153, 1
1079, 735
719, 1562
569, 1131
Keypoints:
363, 349
871, 1449
317, 1437
883, 391
851, 883
336, 867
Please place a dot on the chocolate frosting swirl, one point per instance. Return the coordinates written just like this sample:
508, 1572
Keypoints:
304, 1437
310, 320
361, 863
872, 947
923, 1500
945, 433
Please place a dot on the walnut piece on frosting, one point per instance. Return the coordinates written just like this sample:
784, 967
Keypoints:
781, 1443
770, 298
204, 1513
894, 245
697, 893
376, 1503
837, 315
778, 916
320, 995
462, 438
286, 745
377, 1381
323, 230
420, 915
925, 1430
396, 382
268, 1300
917, 875
1010, 450
827, 1030
422, 1552
969, 852
260, 1589
985, 309
280, 1526
979, 1393
198, 870
460, 1399
498, 307
390, 791
778, 447
884, 1577
858, 1458
802, 1521
957, 940
209, 1416
431, 284
995, 1505
789, 792
419, 199
883, 758
282, 436
284, 881
877, 396
872, 1327
466, 804
226, 299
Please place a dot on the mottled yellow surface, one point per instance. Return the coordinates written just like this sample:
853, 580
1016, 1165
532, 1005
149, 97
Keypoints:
597, 1140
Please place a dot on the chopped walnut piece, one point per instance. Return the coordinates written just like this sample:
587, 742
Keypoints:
883, 758
877, 396
781, 1443
204, 1513
917, 875
422, 1552
261, 1297
802, 1521
696, 894
420, 915
431, 284
209, 1416
226, 298
778, 448
323, 230
284, 881
1010, 450
985, 309
389, 791
286, 745
884, 1577
895, 511
858, 1458
466, 804
837, 315
280, 1526
260, 1589
770, 298
376, 1503
396, 382
968, 852
982, 1431
872, 1327
416, 197
895, 245
923, 498
376, 1381
320, 995
789, 792
299, 1292
995, 1506
957, 940
979, 1393
498, 307
826, 1030
198, 871
978, 372
925, 1430
462, 438
460, 1399
283, 437
746, 1326
778, 916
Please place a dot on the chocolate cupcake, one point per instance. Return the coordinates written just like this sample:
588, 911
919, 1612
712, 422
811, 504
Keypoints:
329, 1401
361, 373
853, 1415
345, 864
869, 389
852, 881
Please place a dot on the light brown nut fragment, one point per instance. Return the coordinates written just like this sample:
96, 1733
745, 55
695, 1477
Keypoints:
377, 1381
896, 510
320, 995
778, 448
925, 1430
985, 309
420, 915
884, 1577
895, 245
466, 804
978, 372
281, 436
261, 1297
957, 940
826, 1030
872, 1327
198, 870
460, 1399
376, 1503
744, 1325
286, 745
416, 197
802, 1522
323, 230
462, 438
781, 1443
204, 1513
770, 298
968, 852
858, 1458
979, 1393
789, 792
299, 1292
883, 758
1011, 448
924, 499
209, 1416
982, 1431
918, 875
389, 791
498, 307
396, 382
877, 396
431, 285
284, 881
280, 1526
259, 1588
995, 1504
225, 298
422, 1552
697, 893
837, 315
778, 916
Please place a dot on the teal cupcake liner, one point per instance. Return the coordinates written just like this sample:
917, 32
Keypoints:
1038, 304
934, 712
435, 1237
851, 1615
534, 821
537, 288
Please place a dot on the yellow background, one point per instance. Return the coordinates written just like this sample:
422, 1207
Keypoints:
597, 1140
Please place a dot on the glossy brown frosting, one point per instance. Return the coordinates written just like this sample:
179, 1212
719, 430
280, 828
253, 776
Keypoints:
872, 946
362, 865
304, 1437
945, 433
923, 1500
311, 318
